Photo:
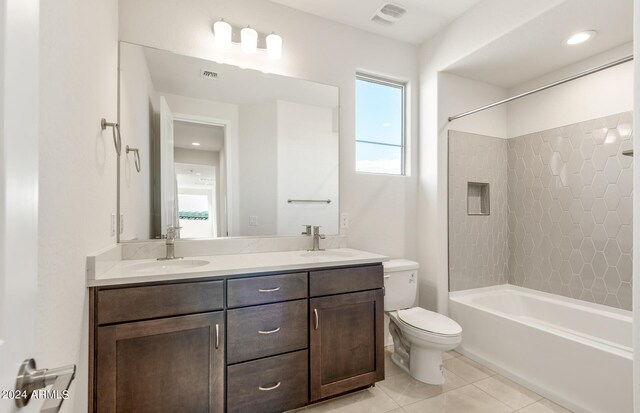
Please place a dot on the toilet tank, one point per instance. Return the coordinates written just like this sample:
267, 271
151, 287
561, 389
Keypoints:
400, 284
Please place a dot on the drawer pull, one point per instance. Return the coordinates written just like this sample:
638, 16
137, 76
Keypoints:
268, 290
275, 386
275, 330
217, 336
315, 317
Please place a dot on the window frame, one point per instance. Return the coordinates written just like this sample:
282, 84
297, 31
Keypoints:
403, 138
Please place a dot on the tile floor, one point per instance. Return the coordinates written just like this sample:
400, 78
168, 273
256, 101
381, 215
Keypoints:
469, 388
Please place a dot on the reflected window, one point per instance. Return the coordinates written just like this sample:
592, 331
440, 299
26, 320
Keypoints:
380, 126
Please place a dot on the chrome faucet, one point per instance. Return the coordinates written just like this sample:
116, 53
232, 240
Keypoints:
307, 230
317, 236
171, 237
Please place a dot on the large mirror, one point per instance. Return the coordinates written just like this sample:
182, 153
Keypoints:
222, 151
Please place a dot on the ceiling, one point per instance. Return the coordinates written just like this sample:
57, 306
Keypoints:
195, 176
537, 47
181, 75
424, 18
210, 137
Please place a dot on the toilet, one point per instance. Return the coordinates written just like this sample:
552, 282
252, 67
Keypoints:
419, 336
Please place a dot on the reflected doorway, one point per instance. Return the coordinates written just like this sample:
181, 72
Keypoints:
199, 156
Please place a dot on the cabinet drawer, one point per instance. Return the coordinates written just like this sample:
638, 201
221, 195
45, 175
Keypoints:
267, 289
345, 280
266, 330
273, 384
140, 303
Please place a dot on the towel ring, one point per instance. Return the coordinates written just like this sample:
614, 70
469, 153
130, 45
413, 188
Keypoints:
136, 159
117, 140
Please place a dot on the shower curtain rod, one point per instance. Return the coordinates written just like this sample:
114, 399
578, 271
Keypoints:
550, 85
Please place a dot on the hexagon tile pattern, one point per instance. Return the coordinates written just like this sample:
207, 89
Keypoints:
478, 250
569, 211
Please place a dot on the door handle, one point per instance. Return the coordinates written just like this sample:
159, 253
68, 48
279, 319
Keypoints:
29, 380
315, 317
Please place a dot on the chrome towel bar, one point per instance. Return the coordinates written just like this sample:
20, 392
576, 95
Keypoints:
323, 201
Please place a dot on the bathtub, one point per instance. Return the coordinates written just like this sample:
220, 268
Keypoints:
575, 353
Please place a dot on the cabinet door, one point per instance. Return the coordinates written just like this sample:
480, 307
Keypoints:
166, 365
346, 342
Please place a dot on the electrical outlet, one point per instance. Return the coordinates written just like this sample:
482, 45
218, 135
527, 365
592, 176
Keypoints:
113, 225
344, 220
253, 220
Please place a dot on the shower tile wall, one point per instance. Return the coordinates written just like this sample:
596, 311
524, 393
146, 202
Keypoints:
478, 250
568, 211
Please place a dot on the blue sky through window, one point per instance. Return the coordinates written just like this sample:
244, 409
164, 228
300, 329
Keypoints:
379, 127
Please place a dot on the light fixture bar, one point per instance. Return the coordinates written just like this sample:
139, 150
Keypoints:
272, 43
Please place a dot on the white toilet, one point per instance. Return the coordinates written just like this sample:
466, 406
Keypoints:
419, 336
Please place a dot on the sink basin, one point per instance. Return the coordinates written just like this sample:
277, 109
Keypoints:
328, 253
166, 266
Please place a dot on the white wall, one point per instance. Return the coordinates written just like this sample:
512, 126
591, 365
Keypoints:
307, 163
636, 211
258, 173
78, 86
382, 208
594, 96
139, 108
476, 28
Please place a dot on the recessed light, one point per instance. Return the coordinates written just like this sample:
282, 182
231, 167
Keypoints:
195, 143
386, 125
581, 37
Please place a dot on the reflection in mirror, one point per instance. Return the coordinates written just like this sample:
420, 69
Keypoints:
224, 151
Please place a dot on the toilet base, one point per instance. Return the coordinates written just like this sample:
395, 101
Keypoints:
420, 359
426, 365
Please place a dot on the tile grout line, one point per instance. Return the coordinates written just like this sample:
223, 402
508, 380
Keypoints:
495, 398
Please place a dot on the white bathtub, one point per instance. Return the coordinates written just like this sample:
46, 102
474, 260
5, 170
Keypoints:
575, 353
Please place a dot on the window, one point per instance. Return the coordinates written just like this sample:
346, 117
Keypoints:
380, 126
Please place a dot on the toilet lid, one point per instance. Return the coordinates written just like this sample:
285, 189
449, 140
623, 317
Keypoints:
429, 321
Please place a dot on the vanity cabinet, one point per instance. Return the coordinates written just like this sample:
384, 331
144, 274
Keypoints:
158, 348
346, 336
242, 343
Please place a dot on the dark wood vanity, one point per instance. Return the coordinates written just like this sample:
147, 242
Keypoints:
256, 342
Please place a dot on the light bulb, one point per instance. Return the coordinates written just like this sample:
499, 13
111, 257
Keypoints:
222, 31
274, 46
249, 40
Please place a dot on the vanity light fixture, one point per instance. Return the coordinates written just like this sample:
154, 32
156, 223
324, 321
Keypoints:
274, 46
223, 32
581, 37
248, 38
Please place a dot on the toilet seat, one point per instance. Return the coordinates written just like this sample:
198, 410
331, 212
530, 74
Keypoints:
429, 322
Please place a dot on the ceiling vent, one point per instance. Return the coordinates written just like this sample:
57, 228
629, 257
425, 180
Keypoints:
388, 13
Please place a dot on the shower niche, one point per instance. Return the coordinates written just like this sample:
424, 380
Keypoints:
478, 198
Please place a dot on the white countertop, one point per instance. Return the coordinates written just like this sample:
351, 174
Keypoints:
134, 271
